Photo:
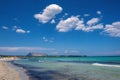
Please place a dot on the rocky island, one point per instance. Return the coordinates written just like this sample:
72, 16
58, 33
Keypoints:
32, 54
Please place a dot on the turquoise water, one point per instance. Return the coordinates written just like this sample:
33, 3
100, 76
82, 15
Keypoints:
72, 68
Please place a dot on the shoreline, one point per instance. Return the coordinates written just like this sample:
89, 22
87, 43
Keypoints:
10, 71
22, 71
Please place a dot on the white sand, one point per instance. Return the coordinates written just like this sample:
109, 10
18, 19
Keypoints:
8, 73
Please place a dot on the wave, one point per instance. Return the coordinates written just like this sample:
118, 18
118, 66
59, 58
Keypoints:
107, 65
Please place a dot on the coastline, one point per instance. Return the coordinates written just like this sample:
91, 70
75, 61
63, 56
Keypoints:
47, 69
22, 72
9, 71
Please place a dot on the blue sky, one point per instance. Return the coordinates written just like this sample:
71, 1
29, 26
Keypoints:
58, 27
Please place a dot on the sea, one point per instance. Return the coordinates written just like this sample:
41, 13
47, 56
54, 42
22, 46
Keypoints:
71, 68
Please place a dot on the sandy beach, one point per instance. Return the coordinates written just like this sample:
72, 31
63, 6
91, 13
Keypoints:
8, 72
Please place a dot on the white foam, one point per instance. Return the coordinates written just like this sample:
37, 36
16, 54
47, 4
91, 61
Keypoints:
107, 65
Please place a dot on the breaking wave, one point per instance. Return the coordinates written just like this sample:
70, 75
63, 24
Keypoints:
107, 65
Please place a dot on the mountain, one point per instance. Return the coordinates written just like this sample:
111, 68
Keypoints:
35, 54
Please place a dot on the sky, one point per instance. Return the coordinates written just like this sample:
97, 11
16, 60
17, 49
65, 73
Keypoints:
60, 27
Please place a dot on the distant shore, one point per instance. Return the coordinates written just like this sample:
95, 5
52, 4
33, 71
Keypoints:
8, 71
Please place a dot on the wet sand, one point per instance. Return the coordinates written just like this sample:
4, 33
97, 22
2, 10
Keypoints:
11, 72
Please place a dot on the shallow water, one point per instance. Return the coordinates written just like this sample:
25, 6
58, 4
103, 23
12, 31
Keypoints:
72, 68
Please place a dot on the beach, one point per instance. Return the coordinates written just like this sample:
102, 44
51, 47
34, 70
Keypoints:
60, 68
9, 71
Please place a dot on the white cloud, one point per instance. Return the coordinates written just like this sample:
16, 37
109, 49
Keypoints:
4, 27
93, 21
65, 25
112, 29
78, 24
99, 12
92, 28
18, 29
23, 48
68, 24
22, 31
48, 13
52, 21
50, 40
98, 26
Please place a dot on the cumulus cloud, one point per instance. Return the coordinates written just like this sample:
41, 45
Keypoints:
90, 28
112, 29
4, 27
68, 24
65, 25
22, 31
78, 24
48, 13
99, 12
98, 26
74, 22
93, 21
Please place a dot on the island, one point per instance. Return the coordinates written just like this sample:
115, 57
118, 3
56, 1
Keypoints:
34, 54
